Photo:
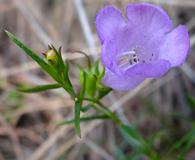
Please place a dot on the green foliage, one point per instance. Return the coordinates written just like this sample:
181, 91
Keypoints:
183, 145
94, 87
13, 101
77, 118
46, 67
121, 156
84, 119
39, 88
90, 85
14, 96
191, 101
78, 105
58, 72
54, 65
103, 91
136, 140
86, 107
92, 91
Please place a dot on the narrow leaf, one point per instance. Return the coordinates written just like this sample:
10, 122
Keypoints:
85, 119
39, 88
132, 136
137, 141
49, 69
185, 143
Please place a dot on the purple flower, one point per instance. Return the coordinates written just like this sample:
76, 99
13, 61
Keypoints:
143, 45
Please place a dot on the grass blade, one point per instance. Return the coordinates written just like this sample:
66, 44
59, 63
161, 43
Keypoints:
138, 142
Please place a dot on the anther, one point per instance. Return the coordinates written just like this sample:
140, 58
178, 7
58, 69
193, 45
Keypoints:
135, 60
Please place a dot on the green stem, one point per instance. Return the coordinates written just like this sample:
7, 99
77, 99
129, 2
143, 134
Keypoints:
103, 109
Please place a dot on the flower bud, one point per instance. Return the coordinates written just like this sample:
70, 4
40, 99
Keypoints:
51, 56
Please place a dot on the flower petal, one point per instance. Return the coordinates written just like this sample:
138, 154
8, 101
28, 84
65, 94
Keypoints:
122, 83
176, 46
151, 70
153, 18
121, 43
108, 21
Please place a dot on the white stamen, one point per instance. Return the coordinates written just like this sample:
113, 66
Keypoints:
128, 59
